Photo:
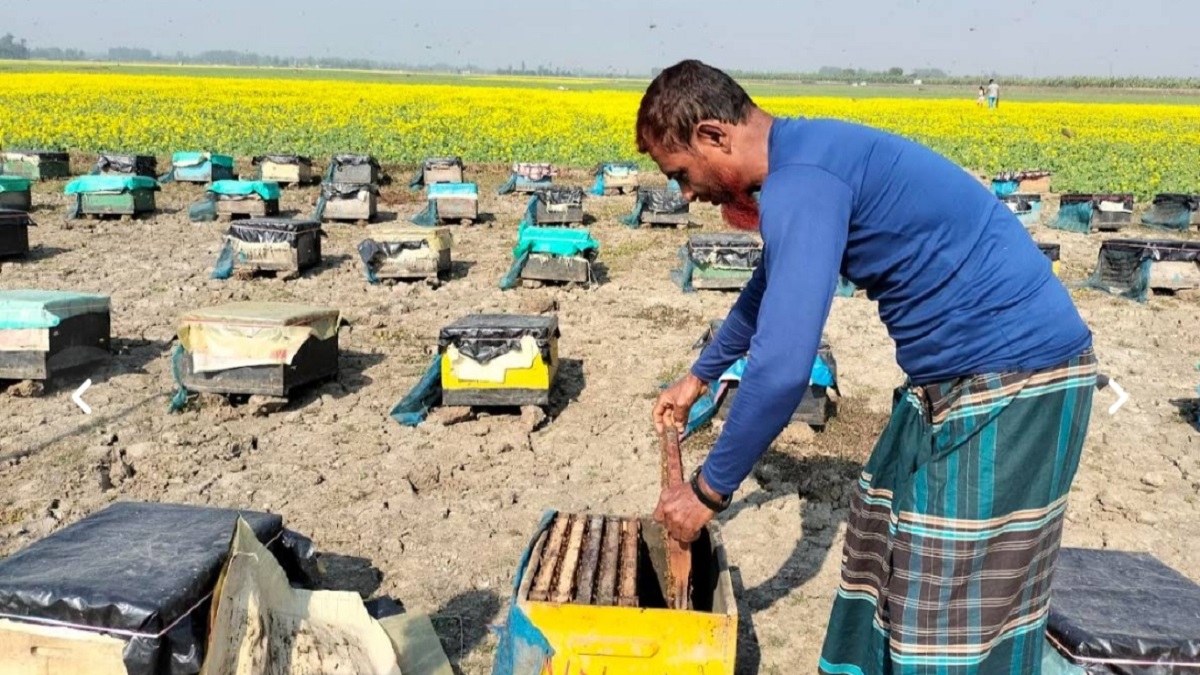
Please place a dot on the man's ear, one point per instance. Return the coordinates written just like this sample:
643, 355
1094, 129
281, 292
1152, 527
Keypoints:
713, 134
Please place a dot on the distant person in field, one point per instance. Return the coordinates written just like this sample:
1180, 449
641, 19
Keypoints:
979, 100
955, 522
993, 94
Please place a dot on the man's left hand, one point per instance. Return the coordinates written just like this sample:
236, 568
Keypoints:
681, 513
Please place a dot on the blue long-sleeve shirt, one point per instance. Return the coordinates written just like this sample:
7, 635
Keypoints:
961, 287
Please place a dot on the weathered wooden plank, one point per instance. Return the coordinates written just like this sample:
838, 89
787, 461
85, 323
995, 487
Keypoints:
679, 555
591, 560
551, 555
609, 555
570, 561
627, 584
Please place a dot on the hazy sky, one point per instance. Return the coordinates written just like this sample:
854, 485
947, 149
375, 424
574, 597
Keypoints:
966, 37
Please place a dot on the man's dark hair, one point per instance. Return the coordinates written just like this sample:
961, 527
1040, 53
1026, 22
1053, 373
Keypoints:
681, 97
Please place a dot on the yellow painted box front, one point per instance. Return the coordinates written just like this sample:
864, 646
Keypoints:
538, 375
610, 640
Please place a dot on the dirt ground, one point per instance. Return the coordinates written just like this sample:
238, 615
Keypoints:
438, 515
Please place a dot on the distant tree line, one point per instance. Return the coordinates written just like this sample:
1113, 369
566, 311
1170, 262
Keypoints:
17, 49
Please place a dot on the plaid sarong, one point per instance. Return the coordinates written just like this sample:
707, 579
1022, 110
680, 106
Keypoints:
955, 525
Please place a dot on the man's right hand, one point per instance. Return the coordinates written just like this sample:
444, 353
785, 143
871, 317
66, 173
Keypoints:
675, 403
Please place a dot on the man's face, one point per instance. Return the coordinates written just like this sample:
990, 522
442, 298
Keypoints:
709, 174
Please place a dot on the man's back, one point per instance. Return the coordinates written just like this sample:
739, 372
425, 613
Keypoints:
961, 286
993, 90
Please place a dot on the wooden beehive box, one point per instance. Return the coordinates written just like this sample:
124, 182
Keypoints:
618, 178
557, 254
14, 233
815, 408
15, 193
123, 195
355, 202
456, 202
558, 206
594, 587
1112, 212
45, 332
529, 177
36, 164
1026, 206
499, 360
722, 261
394, 252
263, 348
100, 596
201, 167
661, 206
274, 244
284, 169
351, 168
437, 170
243, 198
111, 163
1052, 253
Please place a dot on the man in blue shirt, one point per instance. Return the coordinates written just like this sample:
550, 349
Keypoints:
956, 520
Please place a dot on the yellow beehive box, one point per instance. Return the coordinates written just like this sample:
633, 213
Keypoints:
499, 359
645, 639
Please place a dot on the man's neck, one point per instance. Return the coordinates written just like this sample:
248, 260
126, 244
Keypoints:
756, 138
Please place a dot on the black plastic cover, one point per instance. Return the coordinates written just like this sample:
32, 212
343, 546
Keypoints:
373, 253
15, 218
52, 155
138, 165
1074, 198
1023, 201
270, 230
443, 162
142, 568
1051, 251
660, 200
1127, 607
354, 160
282, 159
1190, 202
725, 249
1165, 250
560, 195
345, 190
483, 337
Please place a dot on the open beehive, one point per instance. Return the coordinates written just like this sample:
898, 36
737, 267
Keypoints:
201, 167
498, 360
264, 348
44, 332
397, 252
245, 198
526, 177
114, 194
284, 169
35, 164
594, 588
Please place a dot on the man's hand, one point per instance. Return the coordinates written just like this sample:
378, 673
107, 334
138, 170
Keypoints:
681, 513
675, 403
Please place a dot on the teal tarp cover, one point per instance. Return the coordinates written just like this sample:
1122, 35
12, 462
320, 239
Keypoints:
244, 188
31, 308
113, 183
563, 241
14, 184
196, 158
452, 190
